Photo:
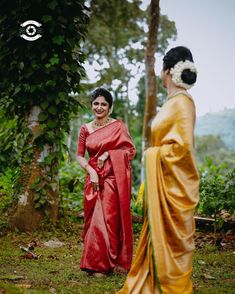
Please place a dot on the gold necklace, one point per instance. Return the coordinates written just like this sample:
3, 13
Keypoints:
96, 124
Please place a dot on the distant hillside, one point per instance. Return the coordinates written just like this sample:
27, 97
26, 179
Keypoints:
218, 123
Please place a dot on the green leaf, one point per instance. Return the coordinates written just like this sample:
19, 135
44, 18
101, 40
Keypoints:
36, 197
46, 18
58, 40
52, 109
43, 192
37, 180
62, 95
54, 60
17, 90
42, 201
54, 186
52, 124
44, 104
42, 116
51, 83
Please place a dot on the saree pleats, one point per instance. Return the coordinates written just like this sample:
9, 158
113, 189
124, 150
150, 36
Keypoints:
102, 229
119, 159
141, 279
163, 262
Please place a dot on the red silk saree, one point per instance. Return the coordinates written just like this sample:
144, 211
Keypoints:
107, 236
163, 262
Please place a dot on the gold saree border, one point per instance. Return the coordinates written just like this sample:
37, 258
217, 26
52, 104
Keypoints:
149, 225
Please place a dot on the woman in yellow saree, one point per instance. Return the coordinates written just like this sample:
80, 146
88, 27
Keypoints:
163, 262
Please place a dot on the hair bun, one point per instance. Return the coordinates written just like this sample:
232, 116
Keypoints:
188, 76
184, 74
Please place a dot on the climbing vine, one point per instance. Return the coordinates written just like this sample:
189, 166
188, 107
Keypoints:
38, 78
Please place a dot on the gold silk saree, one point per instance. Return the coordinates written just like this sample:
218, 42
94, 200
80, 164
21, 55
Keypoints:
163, 261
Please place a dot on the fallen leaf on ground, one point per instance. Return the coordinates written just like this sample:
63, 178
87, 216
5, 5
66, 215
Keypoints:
54, 244
201, 262
208, 277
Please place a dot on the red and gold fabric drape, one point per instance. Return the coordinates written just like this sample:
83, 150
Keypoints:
107, 234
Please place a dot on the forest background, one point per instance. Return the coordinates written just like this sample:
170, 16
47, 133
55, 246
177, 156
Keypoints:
112, 41
45, 87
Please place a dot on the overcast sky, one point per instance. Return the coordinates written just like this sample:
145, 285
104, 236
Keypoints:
207, 28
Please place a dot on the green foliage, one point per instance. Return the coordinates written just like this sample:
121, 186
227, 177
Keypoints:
229, 190
8, 182
217, 190
119, 54
41, 73
39, 186
136, 162
136, 207
72, 179
10, 143
115, 29
121, 25
43, 70
112, 28
8, 188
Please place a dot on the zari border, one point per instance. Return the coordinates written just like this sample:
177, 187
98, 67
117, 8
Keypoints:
150, 231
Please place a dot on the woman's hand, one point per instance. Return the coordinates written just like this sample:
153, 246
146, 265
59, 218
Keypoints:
102, 159
94, 179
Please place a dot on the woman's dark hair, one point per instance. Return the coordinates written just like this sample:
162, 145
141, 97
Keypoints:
102, 92
175, 55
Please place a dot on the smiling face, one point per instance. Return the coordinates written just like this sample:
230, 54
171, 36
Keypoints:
100, 107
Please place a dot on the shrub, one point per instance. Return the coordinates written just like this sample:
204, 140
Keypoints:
72, 178
217, 191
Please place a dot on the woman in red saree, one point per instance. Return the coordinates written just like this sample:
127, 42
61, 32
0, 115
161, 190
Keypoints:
107, 236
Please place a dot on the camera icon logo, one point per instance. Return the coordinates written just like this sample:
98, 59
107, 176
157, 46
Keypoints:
31, 30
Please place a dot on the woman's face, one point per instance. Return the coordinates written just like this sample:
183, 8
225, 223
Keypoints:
100, 107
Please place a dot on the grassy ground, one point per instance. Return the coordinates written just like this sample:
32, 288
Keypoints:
57, 270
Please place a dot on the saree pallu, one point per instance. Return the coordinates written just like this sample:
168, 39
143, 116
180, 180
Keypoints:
107, 236
163, 262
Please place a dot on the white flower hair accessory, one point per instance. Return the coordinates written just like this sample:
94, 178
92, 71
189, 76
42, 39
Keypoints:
177, 70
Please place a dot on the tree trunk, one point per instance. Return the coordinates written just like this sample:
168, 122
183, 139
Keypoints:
151, 86
27, 217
